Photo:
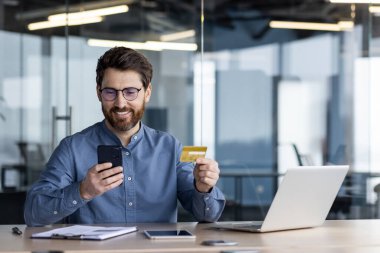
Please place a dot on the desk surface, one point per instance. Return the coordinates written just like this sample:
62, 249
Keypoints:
334, 236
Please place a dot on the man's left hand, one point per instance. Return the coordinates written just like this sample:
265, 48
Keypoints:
206, 174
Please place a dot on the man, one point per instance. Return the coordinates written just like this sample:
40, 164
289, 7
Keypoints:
73, 188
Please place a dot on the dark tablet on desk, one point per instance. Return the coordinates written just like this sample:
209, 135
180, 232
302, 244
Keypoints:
169, 234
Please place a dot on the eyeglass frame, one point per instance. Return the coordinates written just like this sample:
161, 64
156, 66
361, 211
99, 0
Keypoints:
117, 92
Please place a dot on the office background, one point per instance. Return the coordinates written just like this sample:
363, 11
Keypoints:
262, 98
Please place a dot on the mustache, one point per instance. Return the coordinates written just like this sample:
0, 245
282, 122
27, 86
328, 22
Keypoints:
124, 109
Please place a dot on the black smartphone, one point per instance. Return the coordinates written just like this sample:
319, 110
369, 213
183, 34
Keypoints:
111, 154
48, 251
241, 251
218, 243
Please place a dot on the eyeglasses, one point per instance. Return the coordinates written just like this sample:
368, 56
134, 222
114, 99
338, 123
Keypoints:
110, 94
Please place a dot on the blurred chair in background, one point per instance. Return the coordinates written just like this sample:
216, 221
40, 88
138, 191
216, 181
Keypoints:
12, 207
377, 204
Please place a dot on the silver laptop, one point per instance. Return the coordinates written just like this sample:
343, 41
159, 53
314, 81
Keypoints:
303, 200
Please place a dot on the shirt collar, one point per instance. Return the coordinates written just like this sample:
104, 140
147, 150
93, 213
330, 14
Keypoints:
137, 137
134, 138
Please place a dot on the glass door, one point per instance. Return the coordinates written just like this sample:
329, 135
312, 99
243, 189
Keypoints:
33, 87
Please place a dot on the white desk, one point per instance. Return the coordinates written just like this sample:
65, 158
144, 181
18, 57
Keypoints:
333, 237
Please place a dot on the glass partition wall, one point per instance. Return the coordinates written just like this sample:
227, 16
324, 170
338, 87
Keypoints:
263, 94
47, 76
295, 84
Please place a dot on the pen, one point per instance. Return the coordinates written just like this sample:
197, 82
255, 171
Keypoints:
16, 231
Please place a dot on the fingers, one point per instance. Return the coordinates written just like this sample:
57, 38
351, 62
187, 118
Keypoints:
99, 179
207, 164
109, 180
105, 179
203, 173
206, 174
207, 168
103, 174
100, 167
114, 184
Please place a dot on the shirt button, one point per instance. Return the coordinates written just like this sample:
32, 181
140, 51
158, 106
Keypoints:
135, 137
126, 153
129, 178
75, 202
55, 212
130, 204
207, 209
206, 198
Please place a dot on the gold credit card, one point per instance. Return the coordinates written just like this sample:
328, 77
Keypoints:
192, 153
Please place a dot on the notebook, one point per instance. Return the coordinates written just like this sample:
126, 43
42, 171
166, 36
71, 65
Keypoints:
303, 200
82, 232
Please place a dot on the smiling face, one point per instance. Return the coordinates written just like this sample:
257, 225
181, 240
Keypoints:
123, 116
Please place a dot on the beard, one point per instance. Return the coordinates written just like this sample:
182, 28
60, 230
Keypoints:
123, 125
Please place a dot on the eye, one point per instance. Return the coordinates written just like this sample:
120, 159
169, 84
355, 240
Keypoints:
108, 91
130, 91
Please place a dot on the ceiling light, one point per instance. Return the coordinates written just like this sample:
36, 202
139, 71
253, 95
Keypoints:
172, 46
11, 2
90, 13
148, 45
116, 43
355, 1
374, 9
58, 23
346, 25
78, 18
340, 26
178, 35
81, 6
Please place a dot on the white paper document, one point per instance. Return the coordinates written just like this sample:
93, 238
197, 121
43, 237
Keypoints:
80, 232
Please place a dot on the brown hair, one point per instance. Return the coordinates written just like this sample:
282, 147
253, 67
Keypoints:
123, 58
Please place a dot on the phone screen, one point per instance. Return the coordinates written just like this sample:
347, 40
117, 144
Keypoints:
109, 153
168, 234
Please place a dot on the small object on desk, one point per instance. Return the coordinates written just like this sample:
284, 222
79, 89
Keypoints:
16, 231
81, 232
169, 234
219, 243
48, 251
241, 251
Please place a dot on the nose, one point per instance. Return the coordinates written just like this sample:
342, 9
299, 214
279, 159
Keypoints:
120, 101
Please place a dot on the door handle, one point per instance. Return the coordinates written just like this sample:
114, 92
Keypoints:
56, 118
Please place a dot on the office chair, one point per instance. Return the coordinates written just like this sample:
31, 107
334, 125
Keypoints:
288, 156
12, 207
377, 207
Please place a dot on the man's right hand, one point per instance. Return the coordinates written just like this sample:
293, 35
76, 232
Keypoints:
99, 179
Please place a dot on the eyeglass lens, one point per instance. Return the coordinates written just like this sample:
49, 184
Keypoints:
129, 93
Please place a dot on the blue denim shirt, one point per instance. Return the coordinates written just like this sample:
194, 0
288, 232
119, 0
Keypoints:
154, 179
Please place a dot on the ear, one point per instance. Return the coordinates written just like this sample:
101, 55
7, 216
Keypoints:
98, 93
148, 93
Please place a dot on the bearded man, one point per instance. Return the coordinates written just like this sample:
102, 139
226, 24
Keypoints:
73, 188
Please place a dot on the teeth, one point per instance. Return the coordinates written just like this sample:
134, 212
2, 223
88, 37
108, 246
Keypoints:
122, 113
